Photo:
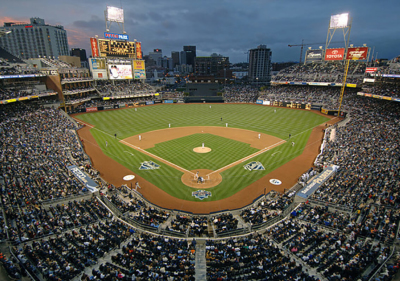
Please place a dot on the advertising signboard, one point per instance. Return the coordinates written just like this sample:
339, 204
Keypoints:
371, 69
139, 69
334, 54
115, 36
98, 68
357, 53
139, 51
94, 47
314, 55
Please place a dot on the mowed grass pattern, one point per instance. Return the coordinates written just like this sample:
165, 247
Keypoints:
223, 151
262, 119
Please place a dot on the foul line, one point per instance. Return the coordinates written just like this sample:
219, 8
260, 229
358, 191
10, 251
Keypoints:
86, 124
155, 156
139, 149
247, 157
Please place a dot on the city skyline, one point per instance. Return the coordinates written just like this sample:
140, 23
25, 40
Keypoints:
229, 28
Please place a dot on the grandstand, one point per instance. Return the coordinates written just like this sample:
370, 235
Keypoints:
56, 227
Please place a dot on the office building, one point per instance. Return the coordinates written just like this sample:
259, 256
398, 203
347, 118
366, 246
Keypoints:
175, 58
190, 52
211, 66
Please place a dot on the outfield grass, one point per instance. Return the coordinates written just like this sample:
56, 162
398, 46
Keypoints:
262, 119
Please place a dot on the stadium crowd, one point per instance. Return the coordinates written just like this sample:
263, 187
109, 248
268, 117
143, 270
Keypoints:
328, 72
63, 240
240, 94
118, 88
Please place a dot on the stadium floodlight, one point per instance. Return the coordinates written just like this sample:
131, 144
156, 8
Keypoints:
115, 14
339, 21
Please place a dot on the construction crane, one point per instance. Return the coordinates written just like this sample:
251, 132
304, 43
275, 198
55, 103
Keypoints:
308, 44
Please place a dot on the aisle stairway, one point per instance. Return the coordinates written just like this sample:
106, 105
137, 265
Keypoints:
201, 267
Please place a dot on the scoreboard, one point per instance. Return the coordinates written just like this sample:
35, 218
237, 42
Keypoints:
120, 49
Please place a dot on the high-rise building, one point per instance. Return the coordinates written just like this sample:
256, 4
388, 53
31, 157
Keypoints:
156, 55
175, 58
260, 65
35, 39
77, 52
190, 54
81, 53
210, 66
182, 58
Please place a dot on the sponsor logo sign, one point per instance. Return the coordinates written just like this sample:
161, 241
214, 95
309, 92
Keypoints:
21, 76
357, 53
169, 101
254, 166
91, 109
139, 69
84, 178
275, 182
116, 36
314, 55
139, 50
317, 182
201, 194
334, 54
371, 69
94, 47
149, 165
149, 102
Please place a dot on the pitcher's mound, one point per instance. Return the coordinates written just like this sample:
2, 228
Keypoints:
201, 149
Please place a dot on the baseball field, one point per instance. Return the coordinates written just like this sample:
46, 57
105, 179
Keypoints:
230, 146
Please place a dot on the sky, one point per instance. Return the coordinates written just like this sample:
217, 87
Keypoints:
229, 28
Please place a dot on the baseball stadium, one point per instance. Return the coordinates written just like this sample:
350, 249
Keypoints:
108, 175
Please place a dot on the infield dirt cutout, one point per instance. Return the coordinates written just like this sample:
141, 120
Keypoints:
201, 149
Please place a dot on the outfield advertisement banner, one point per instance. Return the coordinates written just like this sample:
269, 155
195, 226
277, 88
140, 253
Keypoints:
169, 101
318, 83
91, 109
90, 184
334, 54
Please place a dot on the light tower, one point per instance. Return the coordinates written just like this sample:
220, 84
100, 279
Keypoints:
340, 21
114, 14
